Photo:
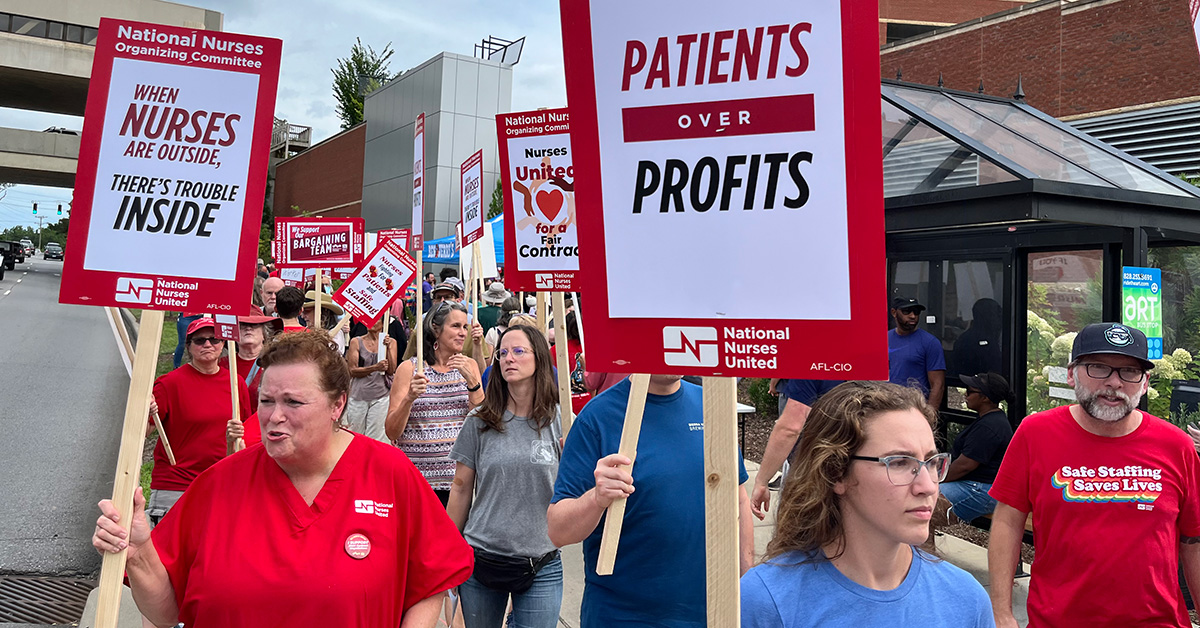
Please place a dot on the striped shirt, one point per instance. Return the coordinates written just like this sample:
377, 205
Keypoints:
433, 425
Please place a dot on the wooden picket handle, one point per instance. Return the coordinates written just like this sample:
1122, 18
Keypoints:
420, 320
317, 311
240, 443
564, 360
129, 461
721, 539
579, 323
632, 429
540, 311
162, 437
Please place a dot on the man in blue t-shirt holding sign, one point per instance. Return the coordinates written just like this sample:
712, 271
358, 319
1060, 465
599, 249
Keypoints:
915, 356
659, 576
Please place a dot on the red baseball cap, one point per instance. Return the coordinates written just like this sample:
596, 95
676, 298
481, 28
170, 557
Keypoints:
198, 324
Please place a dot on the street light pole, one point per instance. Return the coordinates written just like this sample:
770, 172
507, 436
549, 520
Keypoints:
40, 219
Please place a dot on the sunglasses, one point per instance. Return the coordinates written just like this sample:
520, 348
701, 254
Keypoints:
208, 340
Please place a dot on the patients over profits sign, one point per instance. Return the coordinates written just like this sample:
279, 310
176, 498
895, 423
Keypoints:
735, 153
172, 169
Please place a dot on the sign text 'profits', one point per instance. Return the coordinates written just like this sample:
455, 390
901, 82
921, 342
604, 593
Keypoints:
736, 181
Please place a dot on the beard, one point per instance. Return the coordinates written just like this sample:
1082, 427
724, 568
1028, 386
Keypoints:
1090, 402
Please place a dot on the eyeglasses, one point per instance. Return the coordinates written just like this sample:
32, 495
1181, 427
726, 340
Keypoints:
903, 470
209, 339
1131, 374
517, 352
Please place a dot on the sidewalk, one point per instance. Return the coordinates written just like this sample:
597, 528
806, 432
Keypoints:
967, 556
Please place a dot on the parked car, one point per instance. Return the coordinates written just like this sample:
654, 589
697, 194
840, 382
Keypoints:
52, 250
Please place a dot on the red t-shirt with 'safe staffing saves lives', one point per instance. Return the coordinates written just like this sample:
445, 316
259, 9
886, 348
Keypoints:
1108, 514
194, 409
242, 548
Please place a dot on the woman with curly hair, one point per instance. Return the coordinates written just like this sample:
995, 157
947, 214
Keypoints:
853, 515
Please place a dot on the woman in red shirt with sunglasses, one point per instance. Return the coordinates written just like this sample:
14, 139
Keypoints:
194, 403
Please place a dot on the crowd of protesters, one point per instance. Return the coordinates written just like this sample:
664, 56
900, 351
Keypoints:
373, 481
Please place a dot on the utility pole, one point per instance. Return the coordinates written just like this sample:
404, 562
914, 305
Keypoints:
40, 219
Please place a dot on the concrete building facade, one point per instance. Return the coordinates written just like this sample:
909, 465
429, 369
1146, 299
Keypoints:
46, 49
460, 97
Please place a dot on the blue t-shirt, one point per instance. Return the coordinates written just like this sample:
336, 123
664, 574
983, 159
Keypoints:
911, 358
658, 579
782, 594
808, 391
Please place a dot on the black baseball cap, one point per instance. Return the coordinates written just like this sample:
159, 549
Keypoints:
1113, 338
992, 385
901, 303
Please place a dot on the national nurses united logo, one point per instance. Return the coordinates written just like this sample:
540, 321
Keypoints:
1118, 336
1104, 484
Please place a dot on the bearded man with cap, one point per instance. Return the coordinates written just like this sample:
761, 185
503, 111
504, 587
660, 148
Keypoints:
1114, 497
915, 356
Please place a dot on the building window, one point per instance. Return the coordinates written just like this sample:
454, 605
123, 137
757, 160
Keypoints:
896, 31
33, 27
28, 26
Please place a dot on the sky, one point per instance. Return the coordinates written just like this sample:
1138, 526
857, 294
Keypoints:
316, 33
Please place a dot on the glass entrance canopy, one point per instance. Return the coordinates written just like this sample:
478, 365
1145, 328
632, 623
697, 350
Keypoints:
936, 139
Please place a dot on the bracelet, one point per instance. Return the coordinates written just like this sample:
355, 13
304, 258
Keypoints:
477, 387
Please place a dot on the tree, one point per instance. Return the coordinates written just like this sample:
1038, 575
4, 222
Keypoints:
363, 72
496, 207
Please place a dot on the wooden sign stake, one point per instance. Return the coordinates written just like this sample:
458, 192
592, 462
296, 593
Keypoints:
564, 360
420, 319
540, 311
381, 350
162, 437
721, 502
632, 429
579, 322
240, 443
158, 426
129, 461
317, 311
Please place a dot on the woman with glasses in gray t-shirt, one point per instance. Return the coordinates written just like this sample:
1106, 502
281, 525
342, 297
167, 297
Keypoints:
506, 459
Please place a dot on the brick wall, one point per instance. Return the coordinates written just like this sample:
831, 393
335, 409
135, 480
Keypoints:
1075, 58
329, 174
938, 11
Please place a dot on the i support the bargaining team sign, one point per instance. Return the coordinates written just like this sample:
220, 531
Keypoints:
172, 169
735, 158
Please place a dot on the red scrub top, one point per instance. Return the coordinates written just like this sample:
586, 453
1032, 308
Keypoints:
194, 408
242, 548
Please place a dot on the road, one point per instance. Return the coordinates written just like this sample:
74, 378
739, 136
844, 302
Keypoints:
63, 394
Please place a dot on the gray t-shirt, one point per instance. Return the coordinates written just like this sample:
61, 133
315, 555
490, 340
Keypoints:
514, 481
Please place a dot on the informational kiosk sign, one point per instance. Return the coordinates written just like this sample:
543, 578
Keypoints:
172, 169
539, 201
318, 242
1141, 294
418, 215
734, 168
372, 288
472, 198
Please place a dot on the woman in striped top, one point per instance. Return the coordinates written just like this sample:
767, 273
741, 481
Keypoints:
427, 409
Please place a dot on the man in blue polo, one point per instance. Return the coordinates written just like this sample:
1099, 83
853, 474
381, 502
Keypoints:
915, 356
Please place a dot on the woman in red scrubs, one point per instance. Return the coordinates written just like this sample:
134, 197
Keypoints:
194, 404
314, 527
